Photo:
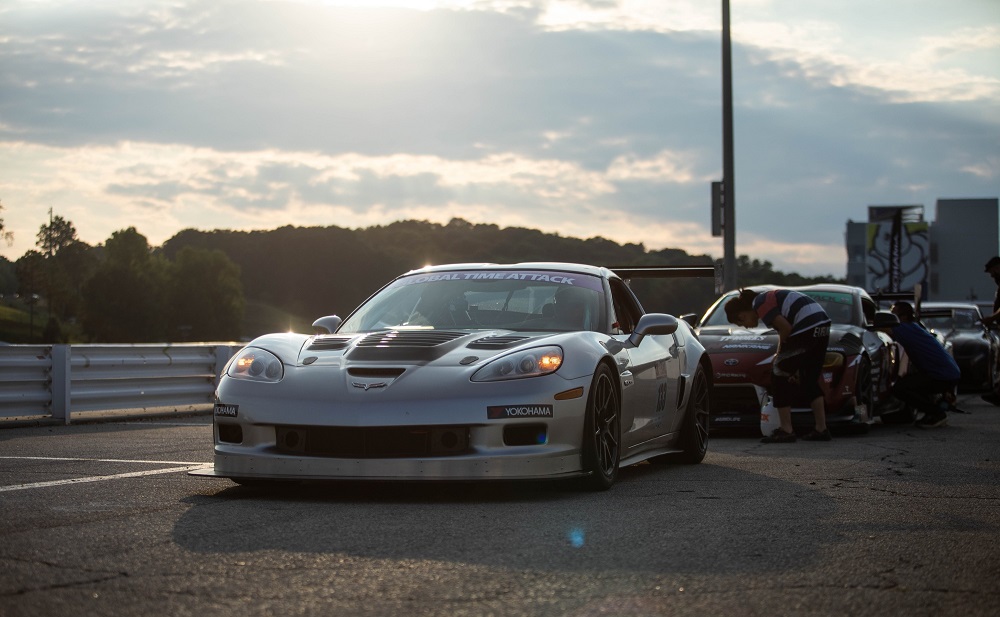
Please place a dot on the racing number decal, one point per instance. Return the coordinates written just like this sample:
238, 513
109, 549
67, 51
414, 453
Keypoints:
661, 397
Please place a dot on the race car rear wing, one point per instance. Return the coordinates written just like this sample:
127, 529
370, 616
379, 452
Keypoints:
649, 272
891, 296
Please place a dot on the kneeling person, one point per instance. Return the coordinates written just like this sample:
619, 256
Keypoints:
933, 371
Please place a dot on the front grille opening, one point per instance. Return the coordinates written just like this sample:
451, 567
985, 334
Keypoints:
230, 433
525, 435
358, 371
374, 442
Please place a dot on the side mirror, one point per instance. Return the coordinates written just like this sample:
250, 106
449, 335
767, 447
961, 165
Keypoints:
653, 323
885, 319
691, 319
327, 325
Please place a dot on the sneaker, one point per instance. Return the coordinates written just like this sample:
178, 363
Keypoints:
932, 420
815, 435
779, 436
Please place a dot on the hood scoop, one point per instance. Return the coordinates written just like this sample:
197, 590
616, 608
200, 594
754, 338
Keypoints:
329, 343
404, 345
497, 342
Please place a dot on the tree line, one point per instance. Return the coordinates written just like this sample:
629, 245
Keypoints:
122, 291
225, 285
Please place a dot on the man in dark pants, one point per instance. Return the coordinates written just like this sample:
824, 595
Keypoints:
803, 329
993, 269
932, 374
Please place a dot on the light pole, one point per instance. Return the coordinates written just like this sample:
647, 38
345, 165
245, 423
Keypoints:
729, 278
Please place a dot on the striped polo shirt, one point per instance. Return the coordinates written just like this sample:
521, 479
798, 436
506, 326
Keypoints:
800, 310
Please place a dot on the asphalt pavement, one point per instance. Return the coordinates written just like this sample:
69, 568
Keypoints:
102, 519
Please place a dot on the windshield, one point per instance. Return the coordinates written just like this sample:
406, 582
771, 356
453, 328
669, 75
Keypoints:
839, 307
484, 299
960, 319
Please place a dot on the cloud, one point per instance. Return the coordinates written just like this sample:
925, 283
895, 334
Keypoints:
578, 117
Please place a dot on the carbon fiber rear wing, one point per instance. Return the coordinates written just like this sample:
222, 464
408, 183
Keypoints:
649, 272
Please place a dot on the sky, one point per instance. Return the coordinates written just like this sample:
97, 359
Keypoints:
578, 117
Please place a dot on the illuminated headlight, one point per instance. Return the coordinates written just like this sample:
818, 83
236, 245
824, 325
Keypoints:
833, 360
256, 365
528, 363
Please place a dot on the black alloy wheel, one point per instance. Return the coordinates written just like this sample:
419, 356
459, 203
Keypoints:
602, 432
693, 440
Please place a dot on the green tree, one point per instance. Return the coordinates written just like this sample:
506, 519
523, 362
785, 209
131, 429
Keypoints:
128, 247
8, 276
6, 235
66, 273
68, 264
206, 296
123, 300
56, 235
30, 270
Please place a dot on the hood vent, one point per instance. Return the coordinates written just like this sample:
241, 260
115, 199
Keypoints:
404, 345
497, 342
329, 343
409, 338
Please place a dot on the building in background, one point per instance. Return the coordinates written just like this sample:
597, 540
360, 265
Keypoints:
896, 249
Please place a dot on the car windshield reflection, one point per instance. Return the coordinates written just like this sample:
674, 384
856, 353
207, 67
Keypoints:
509, 300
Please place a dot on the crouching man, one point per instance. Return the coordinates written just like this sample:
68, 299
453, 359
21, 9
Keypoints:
933, 373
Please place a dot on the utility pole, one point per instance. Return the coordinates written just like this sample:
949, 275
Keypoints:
729, 277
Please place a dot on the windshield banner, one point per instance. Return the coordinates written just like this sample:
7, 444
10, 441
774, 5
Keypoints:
527, 276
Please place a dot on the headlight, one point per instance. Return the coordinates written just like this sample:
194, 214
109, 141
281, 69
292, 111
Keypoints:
256, 365
528, 363
833, 360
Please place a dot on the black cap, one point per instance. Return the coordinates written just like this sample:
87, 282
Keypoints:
994, 261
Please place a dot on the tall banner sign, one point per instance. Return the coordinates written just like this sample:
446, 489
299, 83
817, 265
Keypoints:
898, 254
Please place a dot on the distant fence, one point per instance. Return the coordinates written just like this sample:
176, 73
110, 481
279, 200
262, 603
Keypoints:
57, 380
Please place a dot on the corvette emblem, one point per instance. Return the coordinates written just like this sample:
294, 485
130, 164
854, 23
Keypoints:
368, 386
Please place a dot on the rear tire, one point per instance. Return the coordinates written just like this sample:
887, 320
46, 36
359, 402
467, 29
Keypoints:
602, 432
694, 430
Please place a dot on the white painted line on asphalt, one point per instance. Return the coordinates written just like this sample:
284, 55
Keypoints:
134, 474
98, 460
187, 466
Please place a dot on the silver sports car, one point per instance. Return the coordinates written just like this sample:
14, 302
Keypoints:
470, 372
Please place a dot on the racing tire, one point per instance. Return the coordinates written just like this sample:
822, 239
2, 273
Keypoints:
693, 440
602, 432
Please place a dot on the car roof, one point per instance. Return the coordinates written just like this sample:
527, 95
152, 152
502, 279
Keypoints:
828, 287
532, 265
942, 304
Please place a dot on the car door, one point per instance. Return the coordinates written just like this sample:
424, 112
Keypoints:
653, 371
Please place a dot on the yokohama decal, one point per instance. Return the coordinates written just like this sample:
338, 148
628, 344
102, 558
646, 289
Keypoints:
229, 411
497, 412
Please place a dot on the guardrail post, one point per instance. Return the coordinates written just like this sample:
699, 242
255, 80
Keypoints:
60, 384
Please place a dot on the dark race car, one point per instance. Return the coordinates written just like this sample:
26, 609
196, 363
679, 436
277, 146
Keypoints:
857, 373
975, 347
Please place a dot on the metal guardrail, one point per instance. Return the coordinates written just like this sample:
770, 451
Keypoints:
55, 380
